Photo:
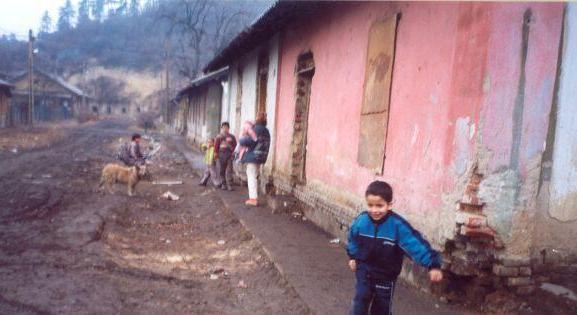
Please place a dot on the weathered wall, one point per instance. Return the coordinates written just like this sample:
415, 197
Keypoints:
202, 112
556, 228
214, 95
468, 90
248, 98
249, 69
4, 108
271, 97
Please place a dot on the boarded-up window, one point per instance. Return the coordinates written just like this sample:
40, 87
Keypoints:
377, 92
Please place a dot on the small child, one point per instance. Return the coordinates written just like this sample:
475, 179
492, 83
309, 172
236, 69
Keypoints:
247, 134
378, 240
209, 161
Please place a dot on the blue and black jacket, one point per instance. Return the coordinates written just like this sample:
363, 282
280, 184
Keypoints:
257, 150
379, 246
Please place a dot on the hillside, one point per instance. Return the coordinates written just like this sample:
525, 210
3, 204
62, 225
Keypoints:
103, 41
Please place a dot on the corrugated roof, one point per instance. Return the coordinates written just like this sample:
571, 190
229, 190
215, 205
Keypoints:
279, 15
4, 83
207, 78
7, 86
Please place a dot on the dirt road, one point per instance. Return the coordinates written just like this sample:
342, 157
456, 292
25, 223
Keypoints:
66, 248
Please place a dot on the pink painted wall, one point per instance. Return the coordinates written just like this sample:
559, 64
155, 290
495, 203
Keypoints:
455, 81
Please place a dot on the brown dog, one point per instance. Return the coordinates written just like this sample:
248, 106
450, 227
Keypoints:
114, 173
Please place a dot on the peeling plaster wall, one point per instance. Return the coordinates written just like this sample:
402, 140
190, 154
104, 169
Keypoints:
564, 177
556, 229
271, 97
452, 107
249, 66
230, 106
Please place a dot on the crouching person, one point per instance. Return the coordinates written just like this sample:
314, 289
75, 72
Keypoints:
210, 164
378, 240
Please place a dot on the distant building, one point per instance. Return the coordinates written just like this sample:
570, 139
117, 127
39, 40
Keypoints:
5, 95
54, 98
196, 111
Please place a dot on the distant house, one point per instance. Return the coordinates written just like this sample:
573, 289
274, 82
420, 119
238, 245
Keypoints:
54, 98
5, 95
196, 111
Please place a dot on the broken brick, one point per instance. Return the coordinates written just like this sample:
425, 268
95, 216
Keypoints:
525, 271
471, 219
503, 271
525, 289
471, 207
519, 281
482, 231
516, 261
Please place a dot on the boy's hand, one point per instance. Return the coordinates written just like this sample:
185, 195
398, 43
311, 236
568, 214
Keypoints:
353, 265
436, 275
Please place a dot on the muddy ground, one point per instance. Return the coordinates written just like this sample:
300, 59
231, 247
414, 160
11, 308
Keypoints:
66, 248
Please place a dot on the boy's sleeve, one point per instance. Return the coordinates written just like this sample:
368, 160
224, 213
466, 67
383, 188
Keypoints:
416, 247
353, 246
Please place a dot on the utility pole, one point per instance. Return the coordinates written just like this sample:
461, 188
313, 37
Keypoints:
167, 79
31, 40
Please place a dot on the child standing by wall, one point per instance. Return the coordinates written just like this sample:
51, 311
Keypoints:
210, 170
378, 240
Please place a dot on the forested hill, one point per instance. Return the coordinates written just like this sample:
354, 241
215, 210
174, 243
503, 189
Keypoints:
132, 34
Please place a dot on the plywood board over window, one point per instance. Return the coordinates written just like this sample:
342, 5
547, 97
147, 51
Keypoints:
377, 93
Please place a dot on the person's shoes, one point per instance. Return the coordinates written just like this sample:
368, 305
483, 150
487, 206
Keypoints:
251, 202
201, 184
228, 188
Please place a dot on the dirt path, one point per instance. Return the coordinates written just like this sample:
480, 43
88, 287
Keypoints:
65, 248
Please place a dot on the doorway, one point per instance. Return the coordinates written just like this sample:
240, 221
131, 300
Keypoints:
304, 76
262, 81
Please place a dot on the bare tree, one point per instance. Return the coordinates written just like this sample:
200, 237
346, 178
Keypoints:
200, 29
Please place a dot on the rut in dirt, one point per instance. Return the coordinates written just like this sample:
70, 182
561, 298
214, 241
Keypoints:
68, 248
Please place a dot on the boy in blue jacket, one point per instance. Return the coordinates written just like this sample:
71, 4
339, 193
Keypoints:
378, 240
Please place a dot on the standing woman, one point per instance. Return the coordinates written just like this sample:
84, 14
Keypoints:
255, 156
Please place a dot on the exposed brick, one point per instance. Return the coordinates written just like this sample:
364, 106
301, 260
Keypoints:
519, 281
516, 261
471, 219
524, 271
503, 271
525, 289
482, 231
471, 207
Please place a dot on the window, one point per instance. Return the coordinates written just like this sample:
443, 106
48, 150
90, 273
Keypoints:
377, 94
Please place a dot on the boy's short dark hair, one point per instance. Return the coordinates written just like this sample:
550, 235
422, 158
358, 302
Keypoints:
381, 189
225, 124
136, 136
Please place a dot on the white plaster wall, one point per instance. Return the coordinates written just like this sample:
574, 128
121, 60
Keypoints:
250, 66
231, 102
563, 205
225, 102
271, 96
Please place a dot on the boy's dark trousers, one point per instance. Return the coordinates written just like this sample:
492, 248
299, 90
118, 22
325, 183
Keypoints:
371, 294
225, 169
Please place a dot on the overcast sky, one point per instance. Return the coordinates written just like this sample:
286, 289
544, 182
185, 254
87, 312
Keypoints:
17, 16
